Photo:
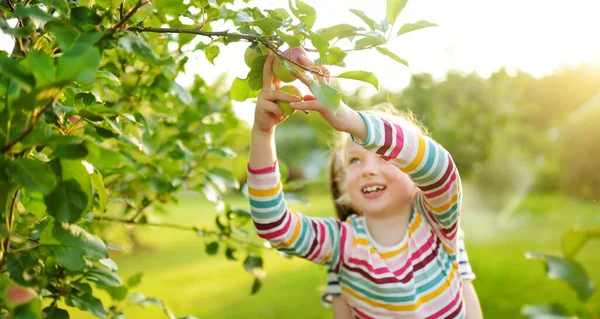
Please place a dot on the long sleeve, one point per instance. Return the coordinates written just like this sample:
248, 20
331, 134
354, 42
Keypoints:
316, 239
429, 166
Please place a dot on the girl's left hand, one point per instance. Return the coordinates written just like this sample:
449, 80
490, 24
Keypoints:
339, 119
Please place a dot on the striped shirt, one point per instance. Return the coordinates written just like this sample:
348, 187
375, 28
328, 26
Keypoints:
333, 288
417, 278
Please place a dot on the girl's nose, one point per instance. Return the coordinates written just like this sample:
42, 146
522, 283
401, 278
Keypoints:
371, 166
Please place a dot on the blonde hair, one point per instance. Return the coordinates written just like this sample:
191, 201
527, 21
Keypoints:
338, 145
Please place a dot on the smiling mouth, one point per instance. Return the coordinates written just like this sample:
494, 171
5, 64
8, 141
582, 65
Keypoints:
373, 189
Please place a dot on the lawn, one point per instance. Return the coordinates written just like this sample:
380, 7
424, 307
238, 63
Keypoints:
178, 271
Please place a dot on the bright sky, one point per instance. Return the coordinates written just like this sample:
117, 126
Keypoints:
536, 36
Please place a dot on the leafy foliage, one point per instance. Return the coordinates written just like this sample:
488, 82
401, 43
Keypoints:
95, 130
566, 269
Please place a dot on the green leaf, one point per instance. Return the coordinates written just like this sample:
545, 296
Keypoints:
98, 184
268, 25
34, 175
108, 75
554, 311
84, 18
135, 280
305, 13
72, 196
138, 46
256, 286
60, 5
33, 202
86, 301
104, 277
278, 13
222, 178
229, 253
211, 53
569, 271
252, 261
68, 244
109, 262
320, 43
364, 76
42, 67
53, 312
222, 152
394, 7
291, 40
340, 31
30, 310
71, 151
211, 193
327, 95
80, 64
212, 248
364, 17
392, 55
369, 42
409, 27
32, 12
336, 56
20, 32
37, 98
65, 34
116, 293
13, 71
213, 13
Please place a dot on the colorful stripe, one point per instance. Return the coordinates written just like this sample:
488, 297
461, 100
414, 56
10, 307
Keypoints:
419, 277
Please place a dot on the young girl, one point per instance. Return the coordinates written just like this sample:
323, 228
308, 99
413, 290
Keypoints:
399, 259
332, 295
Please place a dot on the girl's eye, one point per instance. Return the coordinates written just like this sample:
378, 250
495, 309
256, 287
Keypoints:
354, 160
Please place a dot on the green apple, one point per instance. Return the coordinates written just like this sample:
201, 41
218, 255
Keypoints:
284, 74
285, 106
253, 52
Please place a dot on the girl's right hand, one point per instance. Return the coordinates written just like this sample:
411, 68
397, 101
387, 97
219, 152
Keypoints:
267, 114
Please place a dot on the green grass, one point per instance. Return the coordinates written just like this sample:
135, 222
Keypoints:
178, 271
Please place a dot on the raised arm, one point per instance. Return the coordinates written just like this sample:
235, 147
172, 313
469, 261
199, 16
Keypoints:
312, 238
427, 163
316, 239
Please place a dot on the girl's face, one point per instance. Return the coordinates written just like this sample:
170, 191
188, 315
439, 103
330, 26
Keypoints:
375, 186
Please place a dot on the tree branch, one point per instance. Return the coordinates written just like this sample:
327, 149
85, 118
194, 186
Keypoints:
226, 34
128, 15
28, 130
10, 220
10, 5
195, 229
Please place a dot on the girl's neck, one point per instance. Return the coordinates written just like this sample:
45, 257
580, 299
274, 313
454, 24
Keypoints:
389, 229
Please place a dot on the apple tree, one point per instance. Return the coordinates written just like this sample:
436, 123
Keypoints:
95, 130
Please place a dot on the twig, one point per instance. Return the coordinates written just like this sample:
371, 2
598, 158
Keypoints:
195, 229
128, 15
28, 130
226, 34
10, 6
10, 220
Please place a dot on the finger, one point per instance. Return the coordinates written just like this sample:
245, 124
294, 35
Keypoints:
304, 60
313, 105
268, 71
274, 109
325, 72
274, 95
309, 97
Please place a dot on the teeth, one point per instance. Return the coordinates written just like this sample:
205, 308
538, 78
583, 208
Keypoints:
371, 189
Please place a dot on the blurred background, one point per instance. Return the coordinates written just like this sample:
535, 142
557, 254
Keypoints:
510, 88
